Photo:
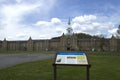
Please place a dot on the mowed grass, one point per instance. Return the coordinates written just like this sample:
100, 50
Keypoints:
27, 52
105, 66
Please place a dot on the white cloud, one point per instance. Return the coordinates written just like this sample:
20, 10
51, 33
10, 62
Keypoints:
84, 19
76, 26
18, 1
96, 24
50, 29
113, 31
93, 25
59, 30
12, 15
42, 24
56, 21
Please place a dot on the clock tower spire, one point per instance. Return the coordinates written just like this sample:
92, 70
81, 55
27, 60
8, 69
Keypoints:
69, 29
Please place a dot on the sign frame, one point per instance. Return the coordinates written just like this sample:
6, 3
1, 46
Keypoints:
88, 65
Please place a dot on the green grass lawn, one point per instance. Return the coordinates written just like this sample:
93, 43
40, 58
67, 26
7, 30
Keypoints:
28, 52
105, 66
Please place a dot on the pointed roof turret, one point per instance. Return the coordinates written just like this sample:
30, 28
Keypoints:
69, 23
5, 39
30, 38
63, 34
69, 29
113, 37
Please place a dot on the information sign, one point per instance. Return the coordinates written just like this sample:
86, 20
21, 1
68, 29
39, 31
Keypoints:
71, 58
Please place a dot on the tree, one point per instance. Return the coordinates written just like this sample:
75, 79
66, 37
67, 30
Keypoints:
83, 35
118, 32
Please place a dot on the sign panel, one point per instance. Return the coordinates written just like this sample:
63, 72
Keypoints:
71, 58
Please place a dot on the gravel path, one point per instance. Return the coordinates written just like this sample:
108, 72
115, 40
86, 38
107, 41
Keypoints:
7, 60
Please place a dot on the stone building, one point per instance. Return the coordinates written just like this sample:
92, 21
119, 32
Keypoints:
66, 42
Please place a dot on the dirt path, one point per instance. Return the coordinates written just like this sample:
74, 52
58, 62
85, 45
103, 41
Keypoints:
7, 60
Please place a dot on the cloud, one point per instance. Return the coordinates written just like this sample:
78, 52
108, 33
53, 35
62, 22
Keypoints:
20, 19
59, 30
93, 25
56, 21
12, 15
51, 28
84, 19
42, 23
55, 27
113, 31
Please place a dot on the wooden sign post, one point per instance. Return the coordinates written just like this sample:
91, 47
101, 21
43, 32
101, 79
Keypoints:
72, 59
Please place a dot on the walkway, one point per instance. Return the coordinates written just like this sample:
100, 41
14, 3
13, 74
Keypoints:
7, 60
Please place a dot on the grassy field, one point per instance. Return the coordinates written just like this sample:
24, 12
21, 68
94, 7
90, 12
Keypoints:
105, 66
28, 52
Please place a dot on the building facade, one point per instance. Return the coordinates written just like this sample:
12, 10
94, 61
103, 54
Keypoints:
66, 42
62, 44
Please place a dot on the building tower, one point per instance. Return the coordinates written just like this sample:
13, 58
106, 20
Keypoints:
68, 41
5, 44
69, 35
30, 44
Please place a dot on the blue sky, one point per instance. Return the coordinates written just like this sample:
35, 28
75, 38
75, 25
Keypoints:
44, 19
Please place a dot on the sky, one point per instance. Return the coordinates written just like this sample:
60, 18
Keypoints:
45, 19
